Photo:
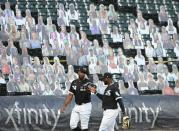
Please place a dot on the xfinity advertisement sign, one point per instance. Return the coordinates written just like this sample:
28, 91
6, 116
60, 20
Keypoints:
41, 113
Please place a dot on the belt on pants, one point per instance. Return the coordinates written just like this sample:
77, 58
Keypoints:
82, 103
109, 109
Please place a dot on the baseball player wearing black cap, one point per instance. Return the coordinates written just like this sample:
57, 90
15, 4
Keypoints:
109, 103
82, 110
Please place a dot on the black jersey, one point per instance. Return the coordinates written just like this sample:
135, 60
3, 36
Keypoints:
110, 97
79, 89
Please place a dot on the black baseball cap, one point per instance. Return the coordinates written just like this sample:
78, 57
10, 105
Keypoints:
107, 75
82, 69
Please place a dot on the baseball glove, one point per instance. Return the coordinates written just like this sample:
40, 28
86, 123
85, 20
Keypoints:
125, 122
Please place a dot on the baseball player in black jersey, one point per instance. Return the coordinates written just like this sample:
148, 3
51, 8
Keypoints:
110, 98
82, 110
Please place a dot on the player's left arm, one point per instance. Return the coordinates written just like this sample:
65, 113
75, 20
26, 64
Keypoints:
118, 98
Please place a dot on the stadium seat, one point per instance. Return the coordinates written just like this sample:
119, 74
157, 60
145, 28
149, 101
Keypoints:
171, 53
117, 77
171, 84
3, 90
35, 52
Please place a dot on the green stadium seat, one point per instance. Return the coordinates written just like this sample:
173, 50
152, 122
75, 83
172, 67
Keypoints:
131, 3
40, 5
130, 52
122, 3
22, 6
151, 8
171, 84
141, 7
11, 1
149, 1
176, 7
166, 2
42, 10
117, 77
160, 2
31, 5
154, 76
171, 53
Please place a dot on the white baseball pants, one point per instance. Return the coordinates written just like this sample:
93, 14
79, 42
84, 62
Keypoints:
80, 113
109, 120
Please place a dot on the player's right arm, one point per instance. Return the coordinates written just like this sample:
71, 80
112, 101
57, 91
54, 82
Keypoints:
93, 90
69, 97
67, 102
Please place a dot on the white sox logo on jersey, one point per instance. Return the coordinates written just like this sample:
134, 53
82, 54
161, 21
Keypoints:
117, 94
108, 93
74, 87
